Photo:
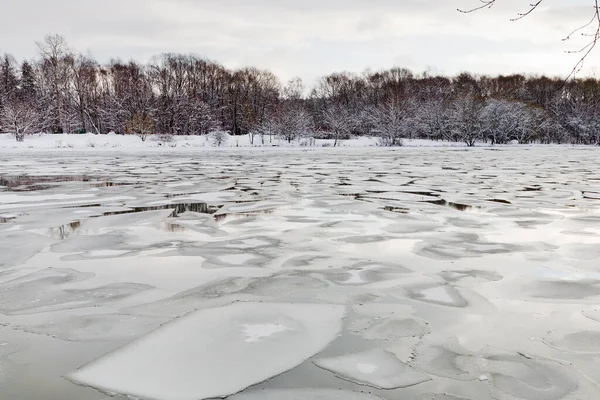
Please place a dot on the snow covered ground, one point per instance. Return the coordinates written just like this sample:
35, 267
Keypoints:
322, 274
115, 142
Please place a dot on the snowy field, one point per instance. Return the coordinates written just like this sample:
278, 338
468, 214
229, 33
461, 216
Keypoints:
113, 142
301, 274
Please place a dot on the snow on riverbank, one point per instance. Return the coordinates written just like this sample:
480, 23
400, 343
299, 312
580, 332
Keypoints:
130, 142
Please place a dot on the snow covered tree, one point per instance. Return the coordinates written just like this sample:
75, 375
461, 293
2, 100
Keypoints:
8, 78
192, 117
268, 127
433, 119
339, 120
54, 78
392, 121
293, 123
465, 120
500, 120
580, 118
219, 138
28, 89
186, 94
19, 118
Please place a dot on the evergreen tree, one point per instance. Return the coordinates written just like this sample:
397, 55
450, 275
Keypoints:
28, 83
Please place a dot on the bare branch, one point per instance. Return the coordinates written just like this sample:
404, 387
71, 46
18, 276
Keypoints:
586, 49
486, 4
532, 9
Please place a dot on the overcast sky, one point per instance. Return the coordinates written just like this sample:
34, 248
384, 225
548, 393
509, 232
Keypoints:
309, 38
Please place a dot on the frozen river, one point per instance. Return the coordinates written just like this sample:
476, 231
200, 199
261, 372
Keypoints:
356, 274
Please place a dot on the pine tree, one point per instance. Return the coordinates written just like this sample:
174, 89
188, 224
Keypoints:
28, 83
8, 77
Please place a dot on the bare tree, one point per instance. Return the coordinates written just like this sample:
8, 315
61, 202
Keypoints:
19, 118
141, 124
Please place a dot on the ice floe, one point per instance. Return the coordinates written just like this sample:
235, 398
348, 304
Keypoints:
216, 352
376, 368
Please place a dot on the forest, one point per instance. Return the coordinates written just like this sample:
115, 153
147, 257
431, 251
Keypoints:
62, 91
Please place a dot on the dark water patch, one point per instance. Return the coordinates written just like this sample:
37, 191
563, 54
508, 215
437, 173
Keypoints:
246, 201
456, 206
172, 227
591, 195
85, 206
201, 208
26, 183
502, 201
399, 210
421, 193
173, 195
64, 231
245, 214
110, 184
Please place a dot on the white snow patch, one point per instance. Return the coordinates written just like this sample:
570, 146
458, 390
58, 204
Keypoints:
256, 332
438, 293
367, 368
236, 259
355, 278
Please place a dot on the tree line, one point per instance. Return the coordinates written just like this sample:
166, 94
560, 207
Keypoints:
175, 94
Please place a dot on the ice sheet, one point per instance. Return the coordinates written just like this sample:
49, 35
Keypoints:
377, 368
216, 352
304, 394
486, 248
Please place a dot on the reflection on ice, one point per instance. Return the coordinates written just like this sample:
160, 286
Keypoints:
50, 290
443, 295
